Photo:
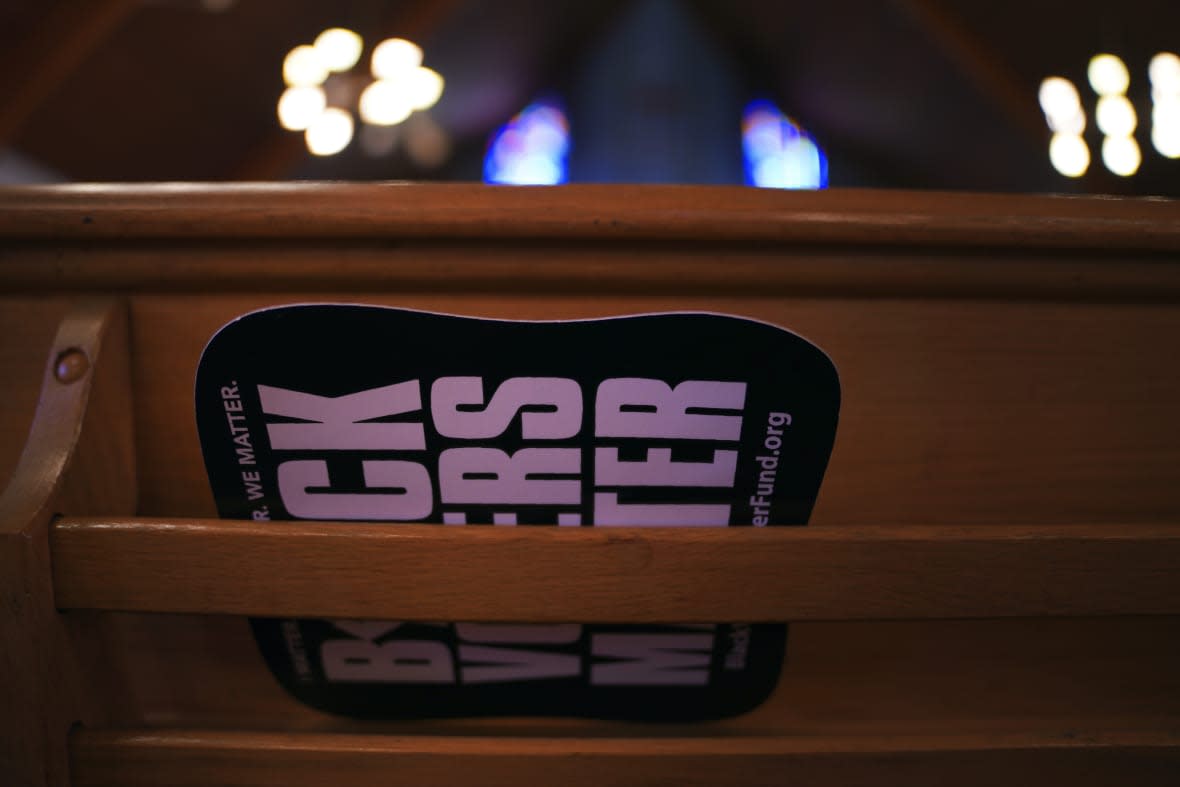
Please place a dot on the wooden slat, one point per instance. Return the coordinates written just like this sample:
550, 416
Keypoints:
608, 574
206, 757
839, 678
715, 214
363, 272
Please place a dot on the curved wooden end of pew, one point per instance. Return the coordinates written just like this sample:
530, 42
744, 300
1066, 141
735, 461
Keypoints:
79, 356
78, 453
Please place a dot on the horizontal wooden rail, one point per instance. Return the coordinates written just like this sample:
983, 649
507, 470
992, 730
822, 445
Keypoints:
609, 574
631, 212
209, 757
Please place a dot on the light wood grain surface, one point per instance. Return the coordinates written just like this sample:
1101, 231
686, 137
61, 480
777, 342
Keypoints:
408, 267
425, 572
399, 210
1004, 360
953, 412
200, 757
27, 327
1041, 675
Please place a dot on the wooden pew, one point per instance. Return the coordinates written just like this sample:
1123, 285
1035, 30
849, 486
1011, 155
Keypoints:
988, 591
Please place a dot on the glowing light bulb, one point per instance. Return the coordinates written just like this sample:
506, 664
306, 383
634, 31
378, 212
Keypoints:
1108, 75
1165, 125
385, 103
1115, 116
1062, 106
1163, 95
1166, 139
424, 87
338, 49
1121, 155
1058, 96
300, 106
1164, 72
1166, 113
302, 67
1069, 155
330, 133
1071, 124
394, 57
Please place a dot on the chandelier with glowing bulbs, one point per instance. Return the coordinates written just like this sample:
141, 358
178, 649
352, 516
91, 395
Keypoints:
318, 81
1114, 115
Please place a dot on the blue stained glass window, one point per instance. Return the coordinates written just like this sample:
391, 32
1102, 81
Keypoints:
779, 154
532, 148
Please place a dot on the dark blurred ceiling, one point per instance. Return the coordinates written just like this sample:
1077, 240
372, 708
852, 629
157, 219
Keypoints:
901, 93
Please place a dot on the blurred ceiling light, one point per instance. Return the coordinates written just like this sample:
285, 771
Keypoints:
778, 153
313, 103
1121, 155
424, 86
303, 67
1074, 124
394, 57
300, 106
1166, 139
338, 49
1059, 97
1069, 155
1108, 75
1166, 113
1115, 116
530, 149
330, 133
1165, 125
1062, 106
1164, 72
385, 103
